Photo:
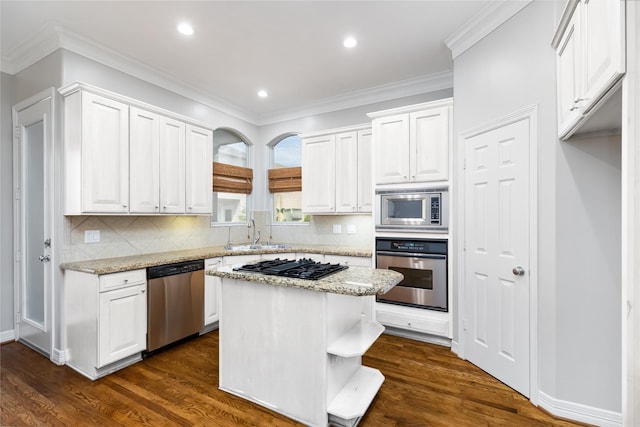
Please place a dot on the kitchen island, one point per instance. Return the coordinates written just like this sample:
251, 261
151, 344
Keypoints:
295, 345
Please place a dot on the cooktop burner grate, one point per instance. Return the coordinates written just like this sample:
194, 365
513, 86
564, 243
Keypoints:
300, 269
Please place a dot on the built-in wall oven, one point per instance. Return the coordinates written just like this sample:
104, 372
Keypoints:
423, 262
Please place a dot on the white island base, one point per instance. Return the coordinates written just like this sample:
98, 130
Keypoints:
297, 352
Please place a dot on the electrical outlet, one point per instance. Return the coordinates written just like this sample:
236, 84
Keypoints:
337, 228
351, 229
92, 236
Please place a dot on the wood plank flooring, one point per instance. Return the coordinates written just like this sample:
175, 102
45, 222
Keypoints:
426, 385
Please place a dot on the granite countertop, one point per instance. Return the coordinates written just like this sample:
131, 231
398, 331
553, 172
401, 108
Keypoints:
355, 281
134, 262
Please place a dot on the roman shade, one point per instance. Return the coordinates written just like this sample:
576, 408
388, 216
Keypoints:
285, 180
232, 179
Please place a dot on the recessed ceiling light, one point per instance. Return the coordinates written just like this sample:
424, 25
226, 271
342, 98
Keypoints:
350, 42
263, 93
185, 29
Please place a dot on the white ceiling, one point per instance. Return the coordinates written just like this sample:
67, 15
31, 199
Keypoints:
293, 49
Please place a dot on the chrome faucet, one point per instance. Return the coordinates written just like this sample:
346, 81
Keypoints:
252, 225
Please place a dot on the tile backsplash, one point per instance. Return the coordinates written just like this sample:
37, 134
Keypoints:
134, 235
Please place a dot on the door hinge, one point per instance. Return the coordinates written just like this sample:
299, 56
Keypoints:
18, 194
464, 164
16, 131
464, 324
17, 318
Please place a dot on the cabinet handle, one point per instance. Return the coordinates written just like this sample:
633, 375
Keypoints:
190, 207
575, 107
142, 291
126, 280
124, 206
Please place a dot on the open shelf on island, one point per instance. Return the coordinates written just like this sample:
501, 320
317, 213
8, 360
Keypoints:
355, 397
357, 340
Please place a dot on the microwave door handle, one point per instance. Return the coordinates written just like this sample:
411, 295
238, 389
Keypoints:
411, 255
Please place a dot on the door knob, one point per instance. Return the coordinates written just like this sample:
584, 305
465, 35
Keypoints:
518, 271
44, 258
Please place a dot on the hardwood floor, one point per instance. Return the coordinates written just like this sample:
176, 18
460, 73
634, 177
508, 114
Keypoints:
426, 385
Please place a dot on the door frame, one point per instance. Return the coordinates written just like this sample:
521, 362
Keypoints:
530, 113
50, 174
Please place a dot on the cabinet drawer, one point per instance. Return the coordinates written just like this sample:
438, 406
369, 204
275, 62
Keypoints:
433, 326
109, 282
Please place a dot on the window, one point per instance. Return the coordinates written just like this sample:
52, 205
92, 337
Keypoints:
287, 205
231, 149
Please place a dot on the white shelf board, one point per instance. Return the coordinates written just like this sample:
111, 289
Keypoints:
357, 340
356, 396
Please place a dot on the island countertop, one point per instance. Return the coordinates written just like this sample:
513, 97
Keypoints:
355, 281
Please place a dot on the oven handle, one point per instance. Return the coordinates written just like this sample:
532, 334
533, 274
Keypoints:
412, 255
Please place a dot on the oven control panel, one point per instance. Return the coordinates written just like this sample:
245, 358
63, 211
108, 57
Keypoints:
420, 246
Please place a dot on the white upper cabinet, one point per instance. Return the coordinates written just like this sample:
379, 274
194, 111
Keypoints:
412, 143
199, 170
97, 150
365, 177
319, 174
172, 166
336, 171
590, 59
132, 158
144, 160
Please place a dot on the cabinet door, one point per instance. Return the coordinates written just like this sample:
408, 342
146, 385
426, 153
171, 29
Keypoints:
144, 189
318, 174
346, 162
199, 169
568, 77
105, 155
391, 149
172, 166
603, 47
365, 176
212, 292
122, 324
429, 145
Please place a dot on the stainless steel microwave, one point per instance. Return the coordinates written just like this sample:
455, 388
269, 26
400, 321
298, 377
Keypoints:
415, 209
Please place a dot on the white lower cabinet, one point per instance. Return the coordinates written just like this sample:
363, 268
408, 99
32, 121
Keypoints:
211, 293
425, 325
106, 320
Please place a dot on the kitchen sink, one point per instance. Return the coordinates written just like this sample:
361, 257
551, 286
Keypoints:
255, 247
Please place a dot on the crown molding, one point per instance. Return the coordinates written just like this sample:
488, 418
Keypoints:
53, 37
483, 23
386, 92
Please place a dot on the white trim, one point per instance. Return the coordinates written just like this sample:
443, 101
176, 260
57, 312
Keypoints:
579, 412
529, 113
482, 24
6, 336
52, 37
445, 102
630, 231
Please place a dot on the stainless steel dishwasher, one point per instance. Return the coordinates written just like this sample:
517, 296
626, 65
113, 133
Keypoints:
175, 302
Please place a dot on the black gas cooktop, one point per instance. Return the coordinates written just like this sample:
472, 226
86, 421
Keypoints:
299, 269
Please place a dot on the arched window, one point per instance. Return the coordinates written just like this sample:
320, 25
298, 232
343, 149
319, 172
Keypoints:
287, 206
231, 149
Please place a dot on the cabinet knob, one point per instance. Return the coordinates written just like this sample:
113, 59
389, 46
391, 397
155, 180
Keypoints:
124, 206
190, 207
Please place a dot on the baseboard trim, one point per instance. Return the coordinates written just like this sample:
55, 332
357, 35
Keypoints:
6, 336
579, 412
59, 357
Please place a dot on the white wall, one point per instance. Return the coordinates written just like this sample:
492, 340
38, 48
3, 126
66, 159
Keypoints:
578, 258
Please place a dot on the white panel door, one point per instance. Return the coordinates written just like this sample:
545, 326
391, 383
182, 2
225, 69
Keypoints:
429, 145
319, 174
122, 329
365, 176
105, 155
199, 170
144, 188
391, 149
33, 229
496, 214
172, 166
603, 45
212, 292
346, 161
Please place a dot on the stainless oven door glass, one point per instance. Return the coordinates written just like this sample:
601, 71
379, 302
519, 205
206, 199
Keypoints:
424, 284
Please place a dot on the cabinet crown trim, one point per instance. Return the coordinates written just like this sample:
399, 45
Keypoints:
446, 102
131, 102
364, 126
